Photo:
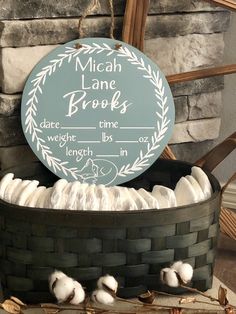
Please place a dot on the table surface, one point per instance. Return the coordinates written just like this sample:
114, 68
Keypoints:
165, 301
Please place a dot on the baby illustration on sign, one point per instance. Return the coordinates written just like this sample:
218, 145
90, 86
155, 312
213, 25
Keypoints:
97, 168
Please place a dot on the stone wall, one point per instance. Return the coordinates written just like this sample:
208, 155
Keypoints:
181, 35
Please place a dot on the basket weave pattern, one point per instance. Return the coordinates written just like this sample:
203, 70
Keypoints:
131, 246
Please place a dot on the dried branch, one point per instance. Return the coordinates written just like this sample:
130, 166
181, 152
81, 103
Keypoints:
15, 306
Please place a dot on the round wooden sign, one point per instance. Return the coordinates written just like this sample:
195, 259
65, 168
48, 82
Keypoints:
99, 111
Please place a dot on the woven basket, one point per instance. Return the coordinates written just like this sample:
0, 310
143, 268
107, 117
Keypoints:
133, 246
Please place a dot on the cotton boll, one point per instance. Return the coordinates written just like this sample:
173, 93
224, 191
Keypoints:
30, 188
169, 277
185, 272
4, 183
56, 275
107, 282
11, 189
64, 288
163, 272
103, 297
79, 294
177, 265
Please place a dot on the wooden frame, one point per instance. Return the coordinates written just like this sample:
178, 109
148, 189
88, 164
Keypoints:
200, 74
134, 30
228, 4
133, 33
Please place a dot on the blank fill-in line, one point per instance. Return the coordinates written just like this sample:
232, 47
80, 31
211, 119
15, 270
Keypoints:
78, 127
88, 141
137, 127
127, 141
107, 155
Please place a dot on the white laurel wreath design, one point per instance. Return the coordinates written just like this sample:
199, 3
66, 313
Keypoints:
70, 53
162, 127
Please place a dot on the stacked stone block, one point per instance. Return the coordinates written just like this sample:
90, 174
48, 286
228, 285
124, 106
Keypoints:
180, 36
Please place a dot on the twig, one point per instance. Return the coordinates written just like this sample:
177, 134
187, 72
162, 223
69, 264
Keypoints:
206, 296
151, 306
200, 292
205, 302
85, 309
176, 296
93, 309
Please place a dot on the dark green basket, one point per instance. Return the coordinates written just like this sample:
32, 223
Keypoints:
133, 246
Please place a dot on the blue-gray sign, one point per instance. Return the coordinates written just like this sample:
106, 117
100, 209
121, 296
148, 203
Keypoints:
98, 113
